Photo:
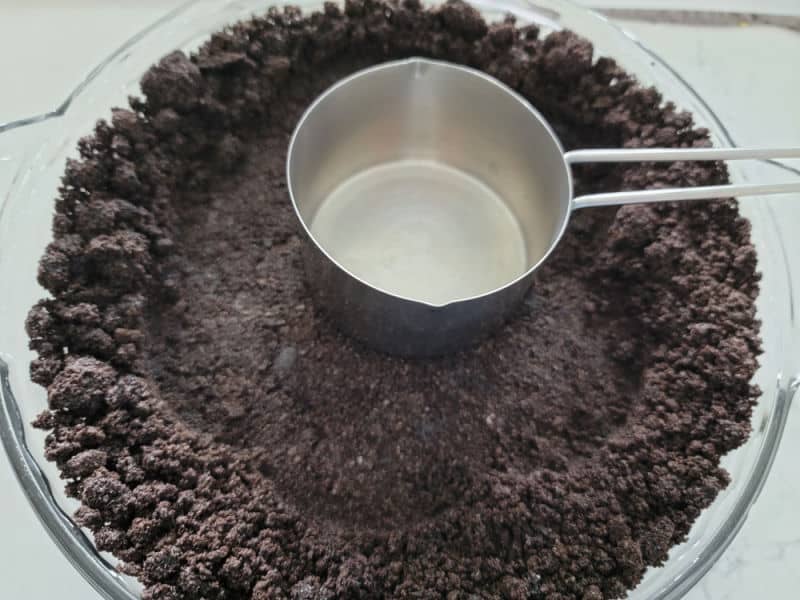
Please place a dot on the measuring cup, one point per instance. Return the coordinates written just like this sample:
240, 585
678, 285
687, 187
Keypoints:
430, 193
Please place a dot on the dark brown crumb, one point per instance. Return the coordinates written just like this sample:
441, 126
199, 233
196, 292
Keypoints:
227, 442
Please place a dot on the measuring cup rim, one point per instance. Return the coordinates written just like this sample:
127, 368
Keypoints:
465, 70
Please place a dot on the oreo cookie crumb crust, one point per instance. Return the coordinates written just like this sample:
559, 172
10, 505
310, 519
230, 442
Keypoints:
226, 442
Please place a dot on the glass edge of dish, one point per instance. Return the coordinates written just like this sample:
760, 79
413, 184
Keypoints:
62, 108
104, 578
68, 536
787, 384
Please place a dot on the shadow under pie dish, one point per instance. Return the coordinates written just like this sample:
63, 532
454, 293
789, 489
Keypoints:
211, 420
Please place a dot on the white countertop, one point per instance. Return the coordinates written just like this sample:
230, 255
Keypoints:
755, 93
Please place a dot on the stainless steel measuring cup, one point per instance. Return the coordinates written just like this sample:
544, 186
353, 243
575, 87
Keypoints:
430, 194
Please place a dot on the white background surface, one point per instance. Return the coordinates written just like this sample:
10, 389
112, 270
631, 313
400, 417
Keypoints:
749, 75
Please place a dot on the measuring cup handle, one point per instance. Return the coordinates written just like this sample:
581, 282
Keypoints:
680, 154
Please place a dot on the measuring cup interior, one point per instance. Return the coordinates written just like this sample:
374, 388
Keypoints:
428, 180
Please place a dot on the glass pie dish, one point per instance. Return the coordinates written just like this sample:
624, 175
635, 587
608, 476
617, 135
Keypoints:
32, 155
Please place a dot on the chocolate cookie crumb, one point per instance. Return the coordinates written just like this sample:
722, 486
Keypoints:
226, 442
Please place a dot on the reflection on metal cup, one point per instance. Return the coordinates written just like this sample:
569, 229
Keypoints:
428, 195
